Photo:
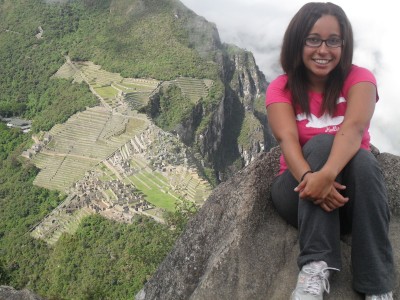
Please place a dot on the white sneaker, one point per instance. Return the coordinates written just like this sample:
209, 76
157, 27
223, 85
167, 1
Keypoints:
312, 281
387, 296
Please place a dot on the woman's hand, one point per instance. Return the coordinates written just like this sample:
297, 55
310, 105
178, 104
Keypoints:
334, 199
321, 190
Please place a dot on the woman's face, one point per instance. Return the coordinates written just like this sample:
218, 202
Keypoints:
320, 61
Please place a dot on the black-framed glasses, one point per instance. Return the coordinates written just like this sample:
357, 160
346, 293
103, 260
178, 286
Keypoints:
315, 42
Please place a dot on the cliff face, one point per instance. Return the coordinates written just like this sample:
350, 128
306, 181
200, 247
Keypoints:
236, 133
244, 76
231, 134
223, 126
248, 83
237, 247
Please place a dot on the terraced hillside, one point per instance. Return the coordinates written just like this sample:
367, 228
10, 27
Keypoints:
111, 88
85, 140
58, 222
147, 175
194, 88
112, 160
136, 92
158, 161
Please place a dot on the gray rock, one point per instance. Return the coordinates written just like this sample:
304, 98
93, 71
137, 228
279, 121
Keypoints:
9, 293
237, 247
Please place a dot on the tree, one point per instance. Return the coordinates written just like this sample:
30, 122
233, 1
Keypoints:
3, 274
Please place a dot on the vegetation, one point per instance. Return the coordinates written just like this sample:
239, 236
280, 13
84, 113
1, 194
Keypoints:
173, 107
155, 44
215, 95
146, 182
3, 274
104, 260
184, 210
251, 130
21, 205
27, 66
9, 140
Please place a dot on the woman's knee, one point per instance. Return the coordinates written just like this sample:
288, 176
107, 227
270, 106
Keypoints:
318, 148
363, 164
364, 180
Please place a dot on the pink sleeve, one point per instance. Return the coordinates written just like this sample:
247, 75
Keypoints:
357, 75
276, 92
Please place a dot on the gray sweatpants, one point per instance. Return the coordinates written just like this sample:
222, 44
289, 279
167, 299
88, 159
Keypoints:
366, 216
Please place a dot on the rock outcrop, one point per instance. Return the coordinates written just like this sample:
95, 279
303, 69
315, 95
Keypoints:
9, 293
237, 247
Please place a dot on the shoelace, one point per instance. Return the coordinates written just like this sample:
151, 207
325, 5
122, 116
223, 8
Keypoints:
382, 297
313, 285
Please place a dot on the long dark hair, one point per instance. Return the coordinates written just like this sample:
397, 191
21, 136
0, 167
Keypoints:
292, 55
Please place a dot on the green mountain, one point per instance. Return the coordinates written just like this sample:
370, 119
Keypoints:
74, 67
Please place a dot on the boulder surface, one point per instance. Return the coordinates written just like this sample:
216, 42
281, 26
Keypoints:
238, 247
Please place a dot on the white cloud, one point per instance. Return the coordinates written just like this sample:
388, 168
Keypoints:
259, 25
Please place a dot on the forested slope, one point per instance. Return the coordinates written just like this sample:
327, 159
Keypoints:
137, 39
104, 259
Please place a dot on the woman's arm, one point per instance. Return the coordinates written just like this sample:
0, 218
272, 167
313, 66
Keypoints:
360, 108
281, 119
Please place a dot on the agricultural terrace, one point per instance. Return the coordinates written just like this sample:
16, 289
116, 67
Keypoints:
82, 142
116, 164
111, 88
156, 162
193, 88
58, 222
148, 174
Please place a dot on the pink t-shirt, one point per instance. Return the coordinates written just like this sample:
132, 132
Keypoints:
318, 123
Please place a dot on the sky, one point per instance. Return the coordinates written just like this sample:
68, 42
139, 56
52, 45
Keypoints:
259, 25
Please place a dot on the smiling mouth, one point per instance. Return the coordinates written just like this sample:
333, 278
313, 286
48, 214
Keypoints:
322, 61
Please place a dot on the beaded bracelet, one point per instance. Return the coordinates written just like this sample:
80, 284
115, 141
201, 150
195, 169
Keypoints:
304, 175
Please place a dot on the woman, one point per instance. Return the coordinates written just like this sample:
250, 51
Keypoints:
329, 182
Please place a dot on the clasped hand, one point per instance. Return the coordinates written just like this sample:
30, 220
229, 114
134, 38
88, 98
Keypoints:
322, 191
